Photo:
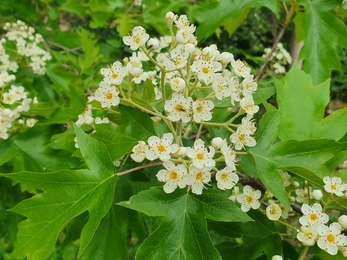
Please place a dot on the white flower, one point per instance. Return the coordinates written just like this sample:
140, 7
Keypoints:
139, 151
229, 155
313, 215
247, 104
240, 68
174, 176
249, 198
161, 147
249, 86
248, 124
276, 257
107, 95
183, 23
331, 238
202, 110
86, 117
226, 178
303, 195
8, 98
235, 90
221, 87
234, 194
307, 235
273, 211
177, 84
178, 59
334, 185
137, 39
30, 122
206, 70
115, 74
3, 132
197, 178
178, 108
242, 138
201, 156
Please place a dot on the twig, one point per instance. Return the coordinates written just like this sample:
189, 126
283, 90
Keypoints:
139, 168
279, 37
66, 49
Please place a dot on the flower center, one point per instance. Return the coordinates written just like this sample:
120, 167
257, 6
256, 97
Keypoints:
199, 176
173, 176
200, 156
161, 148
205, 70
179, 108
114, 75
108, 95
224, 176
313, 217
249, 199
330, 238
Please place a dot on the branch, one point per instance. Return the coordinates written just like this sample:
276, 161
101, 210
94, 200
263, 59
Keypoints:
279, 37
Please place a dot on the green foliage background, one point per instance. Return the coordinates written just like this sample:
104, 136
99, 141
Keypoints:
90, 213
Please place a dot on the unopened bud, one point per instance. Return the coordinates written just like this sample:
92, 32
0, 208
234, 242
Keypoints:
217, 142
153, 44
317, 194
343, 221
170, 17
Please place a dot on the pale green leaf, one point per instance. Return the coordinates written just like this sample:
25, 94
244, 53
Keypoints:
302, 107
304, 158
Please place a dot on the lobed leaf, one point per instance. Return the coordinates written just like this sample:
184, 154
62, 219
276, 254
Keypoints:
65, 195
302, 106
323, 30
183, 232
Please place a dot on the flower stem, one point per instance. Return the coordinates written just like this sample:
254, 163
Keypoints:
303, 253
138, 168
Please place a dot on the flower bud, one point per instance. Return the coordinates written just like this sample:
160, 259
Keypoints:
217, 142
343, 221
153, 44
182, 151
317, 194
170, 17
226, 57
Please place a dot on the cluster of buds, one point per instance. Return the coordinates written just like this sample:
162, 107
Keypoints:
279, 58
188, 82
19, 41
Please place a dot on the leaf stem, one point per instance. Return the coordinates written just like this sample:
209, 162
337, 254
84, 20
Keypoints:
303, 253
138, 168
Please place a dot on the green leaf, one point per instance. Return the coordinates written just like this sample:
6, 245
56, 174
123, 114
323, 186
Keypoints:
211, 15
109, 241
303, 158
125, 23
323, 31
119, 140
183, 231
302, 107
65, 195
258, 237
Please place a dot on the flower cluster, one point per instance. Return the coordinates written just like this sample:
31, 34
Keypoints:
188, 82
279, 58
315, 228
192, 166
13, 98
